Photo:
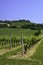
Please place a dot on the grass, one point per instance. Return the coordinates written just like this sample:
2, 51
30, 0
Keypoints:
19, 62
10, 53
6, 32
39, 53
5, 61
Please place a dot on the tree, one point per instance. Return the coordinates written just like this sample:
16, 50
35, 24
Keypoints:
38, 32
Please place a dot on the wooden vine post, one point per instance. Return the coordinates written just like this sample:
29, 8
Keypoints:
10, 42
22, 45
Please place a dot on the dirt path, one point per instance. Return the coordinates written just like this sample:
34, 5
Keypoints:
3, 51
30, 52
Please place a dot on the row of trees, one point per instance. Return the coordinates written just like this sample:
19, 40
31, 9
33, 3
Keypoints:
33, 26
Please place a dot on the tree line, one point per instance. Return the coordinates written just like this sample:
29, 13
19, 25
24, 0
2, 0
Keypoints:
24, 24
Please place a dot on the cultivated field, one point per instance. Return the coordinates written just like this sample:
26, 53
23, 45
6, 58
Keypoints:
7, 32
13, 56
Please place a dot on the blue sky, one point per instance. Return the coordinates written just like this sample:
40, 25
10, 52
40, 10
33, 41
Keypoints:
22, 9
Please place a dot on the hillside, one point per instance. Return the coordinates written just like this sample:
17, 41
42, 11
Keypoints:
20, 24
11, 41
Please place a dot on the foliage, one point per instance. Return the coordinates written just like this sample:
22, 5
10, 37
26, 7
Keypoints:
38, 32
25, 24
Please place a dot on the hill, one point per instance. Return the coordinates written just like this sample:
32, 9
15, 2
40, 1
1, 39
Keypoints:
20, 24
10, 43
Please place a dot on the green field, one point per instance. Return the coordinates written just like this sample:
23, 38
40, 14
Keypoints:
39, 53
7, 32
36, 59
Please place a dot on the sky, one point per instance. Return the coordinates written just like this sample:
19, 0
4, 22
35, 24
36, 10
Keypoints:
22, 9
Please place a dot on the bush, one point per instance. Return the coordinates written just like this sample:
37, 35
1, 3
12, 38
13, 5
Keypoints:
38, 32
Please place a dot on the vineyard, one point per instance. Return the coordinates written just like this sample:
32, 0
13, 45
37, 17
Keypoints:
11, 48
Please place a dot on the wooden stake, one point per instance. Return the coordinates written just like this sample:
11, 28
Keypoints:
22, 44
